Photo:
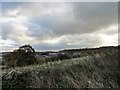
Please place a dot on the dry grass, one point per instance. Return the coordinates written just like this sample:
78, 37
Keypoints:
91, 71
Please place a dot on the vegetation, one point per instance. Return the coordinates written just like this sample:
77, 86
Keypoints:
25, 55
96, 69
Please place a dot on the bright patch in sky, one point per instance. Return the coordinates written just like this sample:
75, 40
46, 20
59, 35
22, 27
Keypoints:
109, 40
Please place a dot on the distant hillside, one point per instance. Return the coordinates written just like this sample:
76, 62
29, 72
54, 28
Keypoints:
49, 56
95, 68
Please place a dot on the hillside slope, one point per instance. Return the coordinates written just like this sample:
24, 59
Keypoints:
90, 71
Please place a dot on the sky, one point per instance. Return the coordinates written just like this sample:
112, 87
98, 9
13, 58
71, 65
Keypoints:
58, 25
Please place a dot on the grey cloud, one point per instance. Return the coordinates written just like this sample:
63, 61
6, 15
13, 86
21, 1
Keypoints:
51, 20
86, 17
70, 41
89, 17
6, 30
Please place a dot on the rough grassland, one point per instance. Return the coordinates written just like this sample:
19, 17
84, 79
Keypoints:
93, 71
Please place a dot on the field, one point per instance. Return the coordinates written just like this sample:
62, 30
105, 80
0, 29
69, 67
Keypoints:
98, 69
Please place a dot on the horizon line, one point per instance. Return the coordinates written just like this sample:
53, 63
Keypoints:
68, 49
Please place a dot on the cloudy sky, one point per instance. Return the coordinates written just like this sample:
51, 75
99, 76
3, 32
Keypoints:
55, 26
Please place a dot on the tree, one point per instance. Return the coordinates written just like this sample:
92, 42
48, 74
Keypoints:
25, 55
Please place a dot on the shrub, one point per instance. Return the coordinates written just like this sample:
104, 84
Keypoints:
25, 55
63, 56
41, 60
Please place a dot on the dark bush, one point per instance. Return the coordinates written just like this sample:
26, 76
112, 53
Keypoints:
25, 55
63, 56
